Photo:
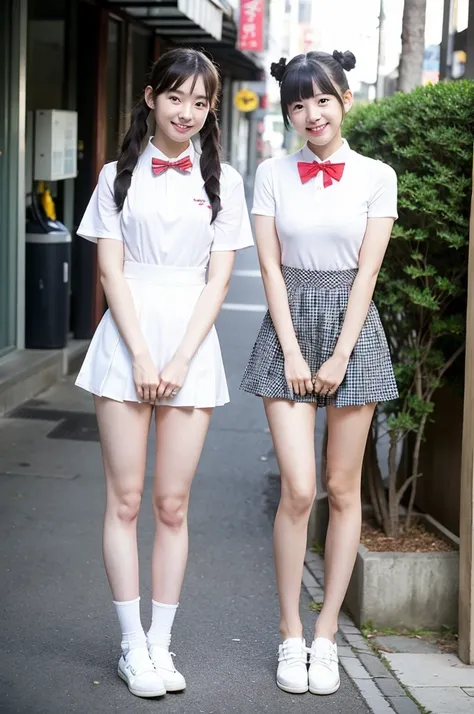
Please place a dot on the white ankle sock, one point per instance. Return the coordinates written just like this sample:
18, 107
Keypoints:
133, 635
161, 623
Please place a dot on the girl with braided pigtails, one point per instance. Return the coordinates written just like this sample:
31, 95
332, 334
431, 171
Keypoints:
163, 216
323, 219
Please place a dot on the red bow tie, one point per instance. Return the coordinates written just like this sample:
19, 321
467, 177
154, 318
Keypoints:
308, 170
159, 166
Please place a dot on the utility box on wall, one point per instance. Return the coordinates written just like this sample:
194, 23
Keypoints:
55, 145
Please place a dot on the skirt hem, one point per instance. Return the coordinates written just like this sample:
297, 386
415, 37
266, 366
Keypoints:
164, 403
321, 403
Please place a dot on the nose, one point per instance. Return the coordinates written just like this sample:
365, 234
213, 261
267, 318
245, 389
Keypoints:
313, 115
185, 113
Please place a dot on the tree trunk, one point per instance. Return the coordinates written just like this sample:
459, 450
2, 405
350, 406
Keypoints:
393, 502
413, 45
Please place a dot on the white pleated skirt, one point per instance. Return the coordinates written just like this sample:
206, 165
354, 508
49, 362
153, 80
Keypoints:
164, 298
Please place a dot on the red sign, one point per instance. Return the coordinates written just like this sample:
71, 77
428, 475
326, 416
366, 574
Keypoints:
251, 25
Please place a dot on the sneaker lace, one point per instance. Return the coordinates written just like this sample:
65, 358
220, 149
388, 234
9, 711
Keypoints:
292, 653
323, 655
139, 660
163, 657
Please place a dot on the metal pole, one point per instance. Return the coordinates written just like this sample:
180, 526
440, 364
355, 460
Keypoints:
446, 42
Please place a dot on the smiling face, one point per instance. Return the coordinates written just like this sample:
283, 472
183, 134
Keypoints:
181, 112
315, 96
318, 118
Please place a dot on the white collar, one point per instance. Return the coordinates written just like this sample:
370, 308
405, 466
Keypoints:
340, 154
152, 152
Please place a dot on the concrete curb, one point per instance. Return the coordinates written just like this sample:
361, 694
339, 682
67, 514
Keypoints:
377, 684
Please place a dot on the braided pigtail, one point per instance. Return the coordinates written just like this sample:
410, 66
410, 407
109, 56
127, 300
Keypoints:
131, 147
211, 161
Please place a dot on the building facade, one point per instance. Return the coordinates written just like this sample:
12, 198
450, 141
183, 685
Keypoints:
90, 57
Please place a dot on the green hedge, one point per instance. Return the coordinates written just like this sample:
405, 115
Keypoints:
427, 137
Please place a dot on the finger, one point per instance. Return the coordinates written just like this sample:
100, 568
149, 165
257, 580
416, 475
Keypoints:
309, 386
146, 393
160, 392
296, 387
140, 392
302, 386
169, 391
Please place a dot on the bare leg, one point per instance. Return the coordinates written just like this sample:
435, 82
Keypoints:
348, 428
180, 435
292, 428
123, 428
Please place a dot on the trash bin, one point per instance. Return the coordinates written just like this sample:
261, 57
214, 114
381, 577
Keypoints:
48, 258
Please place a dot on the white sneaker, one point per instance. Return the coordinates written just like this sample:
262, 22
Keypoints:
323, 667
292, 672
136, 669
163, 662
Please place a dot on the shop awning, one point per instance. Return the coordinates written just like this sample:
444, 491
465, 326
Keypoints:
205, 24
181, 20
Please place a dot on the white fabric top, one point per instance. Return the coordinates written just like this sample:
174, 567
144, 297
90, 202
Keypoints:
165, 219
323, 228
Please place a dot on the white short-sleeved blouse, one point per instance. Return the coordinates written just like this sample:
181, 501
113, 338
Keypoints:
323, 228
165, 219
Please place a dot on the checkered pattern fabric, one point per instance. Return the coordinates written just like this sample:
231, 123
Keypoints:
318, 303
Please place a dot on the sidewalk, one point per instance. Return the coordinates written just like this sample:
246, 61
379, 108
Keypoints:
59, 633
60, 638
396, 667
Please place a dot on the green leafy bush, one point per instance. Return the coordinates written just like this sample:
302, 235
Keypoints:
427, 137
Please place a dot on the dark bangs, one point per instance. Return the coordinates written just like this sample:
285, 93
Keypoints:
298, 83
181, 67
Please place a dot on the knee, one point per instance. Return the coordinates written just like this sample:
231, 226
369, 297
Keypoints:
170, 511
298, 501
343, 489
127, 506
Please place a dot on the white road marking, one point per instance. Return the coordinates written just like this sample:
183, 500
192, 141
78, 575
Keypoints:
244, 307
247, 273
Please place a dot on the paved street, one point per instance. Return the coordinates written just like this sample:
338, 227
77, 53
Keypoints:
60, 638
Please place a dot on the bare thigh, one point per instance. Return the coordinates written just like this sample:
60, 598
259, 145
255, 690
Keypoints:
348, 428
123, 429
180, 436
292, 429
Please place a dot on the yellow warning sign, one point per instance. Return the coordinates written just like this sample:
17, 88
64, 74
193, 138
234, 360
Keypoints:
246, 100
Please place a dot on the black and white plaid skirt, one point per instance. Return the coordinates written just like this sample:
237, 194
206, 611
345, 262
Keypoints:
318, 303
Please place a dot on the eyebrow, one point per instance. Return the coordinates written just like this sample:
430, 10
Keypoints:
178, 91
320, 94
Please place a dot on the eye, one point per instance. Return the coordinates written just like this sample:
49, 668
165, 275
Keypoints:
173, 98
296, 107
201, 105
324, 100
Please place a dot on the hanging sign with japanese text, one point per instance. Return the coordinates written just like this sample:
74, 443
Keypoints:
251, 25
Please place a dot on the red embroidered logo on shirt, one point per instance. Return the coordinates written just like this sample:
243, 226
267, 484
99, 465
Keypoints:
201, 202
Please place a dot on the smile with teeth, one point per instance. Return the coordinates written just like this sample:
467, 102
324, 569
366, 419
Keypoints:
181, 126
317, 129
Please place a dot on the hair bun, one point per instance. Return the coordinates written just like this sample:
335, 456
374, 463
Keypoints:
277, 69
346, 59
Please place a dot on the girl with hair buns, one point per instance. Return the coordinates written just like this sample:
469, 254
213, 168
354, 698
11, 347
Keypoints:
323, 219
162, 215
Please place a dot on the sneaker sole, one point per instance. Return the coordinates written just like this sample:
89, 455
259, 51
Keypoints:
175, 687
323, 692
292, 690
137, 693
